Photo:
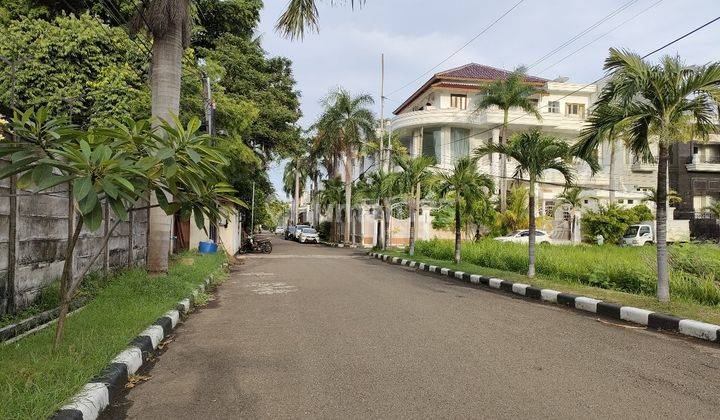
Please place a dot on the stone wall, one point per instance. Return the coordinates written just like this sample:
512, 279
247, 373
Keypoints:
42, 236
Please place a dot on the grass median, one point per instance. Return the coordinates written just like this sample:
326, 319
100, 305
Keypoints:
588, 275
34, 381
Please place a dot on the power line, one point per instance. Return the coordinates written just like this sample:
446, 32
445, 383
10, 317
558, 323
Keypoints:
487, 28
591, 83
600, 37
583, 33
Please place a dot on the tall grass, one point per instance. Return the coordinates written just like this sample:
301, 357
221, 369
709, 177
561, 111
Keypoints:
34, 381
694, 272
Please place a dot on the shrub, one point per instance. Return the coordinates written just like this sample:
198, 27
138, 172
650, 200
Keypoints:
611, 221
324, 230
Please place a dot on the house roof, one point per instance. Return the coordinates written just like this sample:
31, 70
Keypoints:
468, 76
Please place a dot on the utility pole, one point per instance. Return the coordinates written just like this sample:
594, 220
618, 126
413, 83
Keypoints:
252, 210
209, 119
382, 111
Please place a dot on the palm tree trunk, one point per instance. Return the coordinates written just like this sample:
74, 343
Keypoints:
296, 198
348, 195
412, 221
166, 75
611, 176
503, 165
663, 282
386, 217
531, 218
458, 239
334, 224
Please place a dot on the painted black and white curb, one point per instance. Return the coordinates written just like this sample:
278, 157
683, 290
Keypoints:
97, 394
650, 319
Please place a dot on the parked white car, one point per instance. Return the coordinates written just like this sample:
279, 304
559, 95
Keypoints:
308, 235
638, 235
279, 230
522, 236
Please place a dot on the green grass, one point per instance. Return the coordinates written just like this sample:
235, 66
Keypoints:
34, 381
604, 273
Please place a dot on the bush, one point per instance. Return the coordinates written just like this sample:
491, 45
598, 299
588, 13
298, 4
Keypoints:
612, 221
324, 230
694, 269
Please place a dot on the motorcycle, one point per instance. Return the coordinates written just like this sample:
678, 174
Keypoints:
255, 246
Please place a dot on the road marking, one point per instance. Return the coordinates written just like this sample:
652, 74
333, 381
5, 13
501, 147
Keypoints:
271, 288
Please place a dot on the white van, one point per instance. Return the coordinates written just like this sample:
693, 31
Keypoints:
638, 235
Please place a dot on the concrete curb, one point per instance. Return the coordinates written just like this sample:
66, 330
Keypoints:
97, 394
11, 331
651, 320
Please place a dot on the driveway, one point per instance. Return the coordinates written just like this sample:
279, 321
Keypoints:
317, 332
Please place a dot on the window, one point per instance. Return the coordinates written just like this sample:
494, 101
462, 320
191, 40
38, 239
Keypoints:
554, 107
644, 230
459, 143
631, 201
458, 101
539, 233
431, 143
575, 109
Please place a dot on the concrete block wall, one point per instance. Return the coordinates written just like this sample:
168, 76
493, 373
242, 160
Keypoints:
42, 236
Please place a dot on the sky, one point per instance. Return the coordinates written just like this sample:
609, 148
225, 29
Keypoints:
417, 35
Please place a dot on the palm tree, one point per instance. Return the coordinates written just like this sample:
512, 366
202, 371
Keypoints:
415, 178
603, 125
303, 14
534, 153
713, 208
651, 196
464, 184
381, 187
332, 194
294, 181
516, 215
574, 198
511, 92
168, 22
664, 103
347, 122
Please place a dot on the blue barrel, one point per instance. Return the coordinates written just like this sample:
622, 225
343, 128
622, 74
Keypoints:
207, 247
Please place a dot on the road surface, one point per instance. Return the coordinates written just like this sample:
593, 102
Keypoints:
311, 332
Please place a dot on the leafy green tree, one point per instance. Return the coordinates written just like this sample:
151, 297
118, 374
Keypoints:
612, 221
516, 215
117, 165
535, 153
75, 67
573, 197
382, 186
511, 92
294, 182
713, 209
332, 195
464, 183
347, 122
664, 103
415, 179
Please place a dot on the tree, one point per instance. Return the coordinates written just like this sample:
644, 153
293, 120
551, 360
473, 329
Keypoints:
651, 196
332, 195
415, 179
573, 197
511, 92
301, 15
603, 125
534, 153
382, 186
516, 215
294, 179
464, 183
713, 208
116, 165
347, 122
664, 103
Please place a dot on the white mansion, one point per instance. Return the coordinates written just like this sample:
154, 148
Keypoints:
440, 120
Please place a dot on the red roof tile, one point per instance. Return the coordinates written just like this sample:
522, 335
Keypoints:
482, 72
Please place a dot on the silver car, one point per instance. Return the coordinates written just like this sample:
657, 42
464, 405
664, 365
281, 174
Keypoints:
308, 235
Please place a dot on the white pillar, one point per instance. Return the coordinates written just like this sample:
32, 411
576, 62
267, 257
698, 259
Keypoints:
494, 159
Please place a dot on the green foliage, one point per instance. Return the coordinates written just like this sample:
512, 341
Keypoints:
75, 67
324, 230
612, 220
37, 381
694, 268
443, 216
516, 216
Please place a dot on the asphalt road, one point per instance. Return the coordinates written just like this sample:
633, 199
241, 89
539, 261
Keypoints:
319, 332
